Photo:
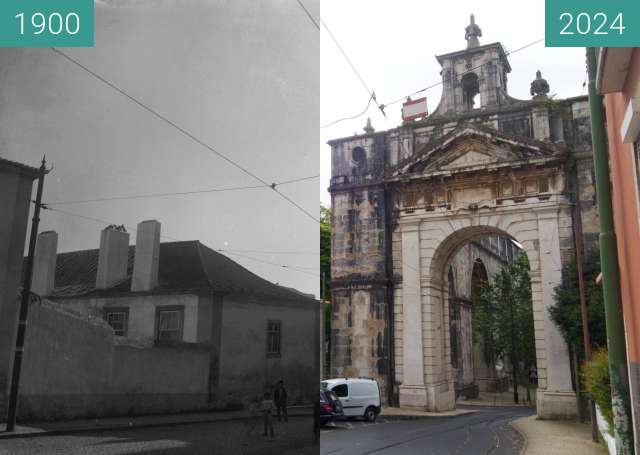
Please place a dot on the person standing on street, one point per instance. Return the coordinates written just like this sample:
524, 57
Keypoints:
280, 396
267, 410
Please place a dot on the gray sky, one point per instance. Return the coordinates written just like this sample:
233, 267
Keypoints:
241, 75
393, 45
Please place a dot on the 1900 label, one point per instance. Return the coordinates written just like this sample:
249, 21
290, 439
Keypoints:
45, 23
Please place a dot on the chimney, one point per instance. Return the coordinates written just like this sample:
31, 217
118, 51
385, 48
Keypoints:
113, 257
44, 263
147, 257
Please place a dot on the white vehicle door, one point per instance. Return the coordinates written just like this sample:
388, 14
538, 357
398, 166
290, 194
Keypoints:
343, 392
358, 398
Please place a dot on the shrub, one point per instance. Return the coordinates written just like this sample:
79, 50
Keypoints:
597, 383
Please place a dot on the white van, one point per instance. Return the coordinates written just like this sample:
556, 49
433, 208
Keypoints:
359, 397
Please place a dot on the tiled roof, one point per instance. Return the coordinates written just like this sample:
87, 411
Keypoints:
32, 171
184, 266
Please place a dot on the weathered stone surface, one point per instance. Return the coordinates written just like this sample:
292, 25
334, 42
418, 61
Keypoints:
405, 200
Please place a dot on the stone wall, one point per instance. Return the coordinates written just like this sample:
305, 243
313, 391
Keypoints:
73, 368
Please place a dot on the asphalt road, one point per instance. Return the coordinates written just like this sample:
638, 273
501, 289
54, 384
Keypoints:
243, 437
485, 432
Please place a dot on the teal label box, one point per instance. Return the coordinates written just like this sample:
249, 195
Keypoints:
592, 23
46, 23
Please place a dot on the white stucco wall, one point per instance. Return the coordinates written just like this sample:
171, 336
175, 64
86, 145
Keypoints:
246, 371
142, 312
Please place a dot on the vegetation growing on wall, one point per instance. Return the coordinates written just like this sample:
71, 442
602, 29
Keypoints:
565, 313
597, 382
325, 274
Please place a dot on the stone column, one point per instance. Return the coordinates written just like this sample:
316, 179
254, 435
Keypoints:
541, 130
412, 390
557, 400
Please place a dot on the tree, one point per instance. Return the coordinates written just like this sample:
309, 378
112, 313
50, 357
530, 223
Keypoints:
566, 314
325, 273
325, 252
503, 318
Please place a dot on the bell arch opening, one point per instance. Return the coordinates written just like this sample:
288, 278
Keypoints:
470, 91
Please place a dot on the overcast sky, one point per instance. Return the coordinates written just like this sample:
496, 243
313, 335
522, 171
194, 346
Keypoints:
241, 75
393, 46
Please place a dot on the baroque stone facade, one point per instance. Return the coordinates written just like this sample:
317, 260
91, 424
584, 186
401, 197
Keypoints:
405, 200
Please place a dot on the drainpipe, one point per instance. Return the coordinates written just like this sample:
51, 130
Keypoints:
388, 207
610, 272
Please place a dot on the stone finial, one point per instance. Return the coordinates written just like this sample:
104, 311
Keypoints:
539, 87
472, 33
368, 128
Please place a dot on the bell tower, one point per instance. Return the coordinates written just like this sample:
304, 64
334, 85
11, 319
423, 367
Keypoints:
474, 78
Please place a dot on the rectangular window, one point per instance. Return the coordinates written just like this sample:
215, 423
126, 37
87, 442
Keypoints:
274, 333
118, 319
169, 323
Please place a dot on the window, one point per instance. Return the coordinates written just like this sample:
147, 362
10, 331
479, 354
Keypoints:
118, 319
274, 334
169, 321
341, 390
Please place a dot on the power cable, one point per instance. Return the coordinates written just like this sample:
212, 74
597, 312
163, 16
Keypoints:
180, 193
429, 87
460, 75
370, 92
311, 18
290, 267
349, 118
180, 129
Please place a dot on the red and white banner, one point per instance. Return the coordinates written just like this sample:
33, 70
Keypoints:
413, 109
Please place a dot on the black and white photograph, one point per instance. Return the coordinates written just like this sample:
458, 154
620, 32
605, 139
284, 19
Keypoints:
319, 227
159, 287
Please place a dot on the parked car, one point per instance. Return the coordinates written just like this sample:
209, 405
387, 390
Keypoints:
330, 407
359, 397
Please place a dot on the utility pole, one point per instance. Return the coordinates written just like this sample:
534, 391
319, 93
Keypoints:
577, 224
610, 272
24, 306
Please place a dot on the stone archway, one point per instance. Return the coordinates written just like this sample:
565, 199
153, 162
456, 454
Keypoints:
428, 239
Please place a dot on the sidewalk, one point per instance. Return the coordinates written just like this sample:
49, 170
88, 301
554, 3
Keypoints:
120, 423
407, 413
555, 437
498, 400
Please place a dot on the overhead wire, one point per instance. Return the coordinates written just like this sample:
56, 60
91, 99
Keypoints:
180, 193
429, 87
180, 129
370, 92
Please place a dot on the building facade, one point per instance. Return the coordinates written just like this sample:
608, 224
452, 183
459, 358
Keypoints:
174, 326
16, 185
405, 200
619, 80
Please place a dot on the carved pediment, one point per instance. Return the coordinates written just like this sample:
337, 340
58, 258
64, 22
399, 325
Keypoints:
473, 147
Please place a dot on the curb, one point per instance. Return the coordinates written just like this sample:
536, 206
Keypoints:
518, 430
63, 431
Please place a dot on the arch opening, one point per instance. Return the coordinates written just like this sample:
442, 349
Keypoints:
467, 262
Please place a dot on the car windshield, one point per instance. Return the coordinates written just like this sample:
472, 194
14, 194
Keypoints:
323, 385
